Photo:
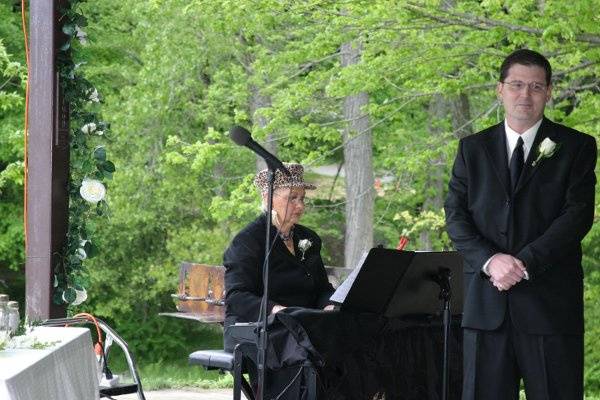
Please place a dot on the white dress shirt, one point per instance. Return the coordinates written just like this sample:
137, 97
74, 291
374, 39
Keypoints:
512, 137
511, 142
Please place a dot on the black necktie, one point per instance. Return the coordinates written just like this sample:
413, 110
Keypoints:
516, 163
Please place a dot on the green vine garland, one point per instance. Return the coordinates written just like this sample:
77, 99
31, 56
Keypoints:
89, 165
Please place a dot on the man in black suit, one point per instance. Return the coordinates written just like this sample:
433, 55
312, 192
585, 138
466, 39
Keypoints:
520, 201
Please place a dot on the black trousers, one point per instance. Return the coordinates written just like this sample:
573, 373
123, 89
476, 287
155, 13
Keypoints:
494, 362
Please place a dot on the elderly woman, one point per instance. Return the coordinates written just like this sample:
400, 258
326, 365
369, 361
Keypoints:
297, 279
297, 274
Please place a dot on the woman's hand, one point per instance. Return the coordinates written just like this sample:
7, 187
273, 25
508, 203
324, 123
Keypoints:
276, 308
329, 307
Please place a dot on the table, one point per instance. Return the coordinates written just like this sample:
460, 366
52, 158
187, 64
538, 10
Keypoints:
63, 371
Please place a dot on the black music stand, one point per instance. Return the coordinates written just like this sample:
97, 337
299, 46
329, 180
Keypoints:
405, 283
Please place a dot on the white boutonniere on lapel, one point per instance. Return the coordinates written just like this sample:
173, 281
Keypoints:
546, 149
304, 245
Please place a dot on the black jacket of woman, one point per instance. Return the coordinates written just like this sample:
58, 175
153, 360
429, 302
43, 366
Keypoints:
294, 280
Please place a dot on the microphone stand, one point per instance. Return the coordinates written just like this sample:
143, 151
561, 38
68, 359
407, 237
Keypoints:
262, 337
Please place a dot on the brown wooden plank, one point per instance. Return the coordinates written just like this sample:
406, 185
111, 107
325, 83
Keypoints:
201, 291
201, 281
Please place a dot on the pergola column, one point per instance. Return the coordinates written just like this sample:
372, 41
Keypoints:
48, 159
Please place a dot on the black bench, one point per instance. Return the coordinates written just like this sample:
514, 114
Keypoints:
225, 361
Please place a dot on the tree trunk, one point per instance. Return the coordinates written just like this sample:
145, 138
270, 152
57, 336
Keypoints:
541, 5
461, 116
441, 108
258, 101
358, 165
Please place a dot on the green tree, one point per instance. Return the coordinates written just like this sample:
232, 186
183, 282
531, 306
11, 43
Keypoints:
12, 93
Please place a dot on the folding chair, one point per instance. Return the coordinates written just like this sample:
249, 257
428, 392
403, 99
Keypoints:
110, 337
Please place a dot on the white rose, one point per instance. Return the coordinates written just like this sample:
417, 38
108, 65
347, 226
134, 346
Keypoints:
64, 298
81, 254
304, 244
547, 147
92, 190
80, 35
88, 128
81, 297
94, 97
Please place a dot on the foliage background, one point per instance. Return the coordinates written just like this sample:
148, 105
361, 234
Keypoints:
175, 75
12, 88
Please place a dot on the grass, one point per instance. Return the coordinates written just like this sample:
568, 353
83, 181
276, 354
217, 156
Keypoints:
172, 374
522, 396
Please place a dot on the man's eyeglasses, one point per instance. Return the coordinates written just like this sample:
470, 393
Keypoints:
517, 86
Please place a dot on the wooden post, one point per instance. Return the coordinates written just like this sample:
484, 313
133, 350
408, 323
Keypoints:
48, 155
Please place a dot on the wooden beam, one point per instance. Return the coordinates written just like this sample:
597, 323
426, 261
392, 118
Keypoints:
48, 170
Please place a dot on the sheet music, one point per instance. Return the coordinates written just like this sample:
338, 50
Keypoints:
342, 291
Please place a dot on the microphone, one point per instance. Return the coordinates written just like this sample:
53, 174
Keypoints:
242, 137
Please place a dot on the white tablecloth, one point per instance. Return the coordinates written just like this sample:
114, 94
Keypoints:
64, 371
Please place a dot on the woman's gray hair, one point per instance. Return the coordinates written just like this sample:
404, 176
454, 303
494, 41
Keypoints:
263, 205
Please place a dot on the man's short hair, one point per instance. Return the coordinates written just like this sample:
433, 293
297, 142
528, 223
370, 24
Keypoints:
526, 57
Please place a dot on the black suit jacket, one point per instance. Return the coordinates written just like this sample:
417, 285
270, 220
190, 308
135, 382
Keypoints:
542, 224
292, 281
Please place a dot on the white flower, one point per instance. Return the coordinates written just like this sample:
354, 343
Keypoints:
94, 97
99, 133
92, 190
21, 342
81, 297
546, 149
81, 35
72, 73
88, 128
81, 254
304, 245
